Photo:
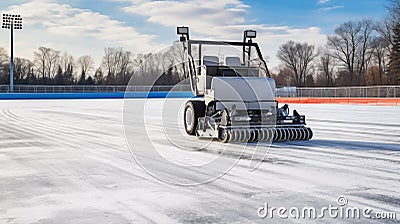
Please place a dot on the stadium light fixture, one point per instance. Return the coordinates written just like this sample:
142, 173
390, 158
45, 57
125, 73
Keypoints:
12, 22
184, 31
250, 34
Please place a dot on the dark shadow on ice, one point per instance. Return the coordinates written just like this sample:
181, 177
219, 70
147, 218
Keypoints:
344, 144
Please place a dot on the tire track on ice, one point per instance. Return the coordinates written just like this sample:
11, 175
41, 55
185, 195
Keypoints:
80, 180
221, 192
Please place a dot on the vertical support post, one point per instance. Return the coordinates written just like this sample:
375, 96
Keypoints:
12, 22
12, 57
379, 91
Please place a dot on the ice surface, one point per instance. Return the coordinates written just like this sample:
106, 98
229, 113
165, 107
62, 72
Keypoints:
69, 162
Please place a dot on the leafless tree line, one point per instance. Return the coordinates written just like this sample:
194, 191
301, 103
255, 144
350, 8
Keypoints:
356, 54
117, 67
48, 67
363, 52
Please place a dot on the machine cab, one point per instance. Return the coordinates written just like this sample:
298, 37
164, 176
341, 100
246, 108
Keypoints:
210, 59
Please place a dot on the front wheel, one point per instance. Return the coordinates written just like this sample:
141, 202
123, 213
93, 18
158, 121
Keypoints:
193, 111
224, 135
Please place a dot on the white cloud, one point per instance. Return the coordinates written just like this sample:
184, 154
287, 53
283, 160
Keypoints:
222, 20
323, 1
77, 31
331, 8
64, 20
199, 14
83, 31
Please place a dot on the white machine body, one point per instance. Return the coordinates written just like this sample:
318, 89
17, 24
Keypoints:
246, 93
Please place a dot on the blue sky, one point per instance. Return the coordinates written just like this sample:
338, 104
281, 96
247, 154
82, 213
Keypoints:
83, 27
323, 14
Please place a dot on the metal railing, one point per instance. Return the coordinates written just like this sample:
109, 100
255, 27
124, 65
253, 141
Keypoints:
91, 89
348, 92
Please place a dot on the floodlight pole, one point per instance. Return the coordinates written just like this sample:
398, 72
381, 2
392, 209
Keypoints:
12, 23
12, 57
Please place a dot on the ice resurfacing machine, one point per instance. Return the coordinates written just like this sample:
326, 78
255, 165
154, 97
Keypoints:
235, 94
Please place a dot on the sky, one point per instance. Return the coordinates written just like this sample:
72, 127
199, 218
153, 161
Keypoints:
86, 27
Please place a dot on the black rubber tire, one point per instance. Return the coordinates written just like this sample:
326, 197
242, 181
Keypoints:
197, 110
224, 135
311, 134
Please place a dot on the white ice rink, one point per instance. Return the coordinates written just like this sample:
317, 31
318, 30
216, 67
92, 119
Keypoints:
69, 162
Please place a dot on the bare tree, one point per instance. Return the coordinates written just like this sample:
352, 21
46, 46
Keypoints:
117, 64
22, 68
98, 76
345, 43
40, 59
380, 56
385, 28
67, 65
350, 44
394, 23
3, 62
367, 28
109, 63
297, 57
394, 11
67, 61
85, 63
3, 56
175, 56
53, 60
124, 66
46, 62
326, 65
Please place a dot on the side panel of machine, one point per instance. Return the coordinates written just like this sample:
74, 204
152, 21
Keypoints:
245, 93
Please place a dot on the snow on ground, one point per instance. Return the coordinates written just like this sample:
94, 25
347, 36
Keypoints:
69, 162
